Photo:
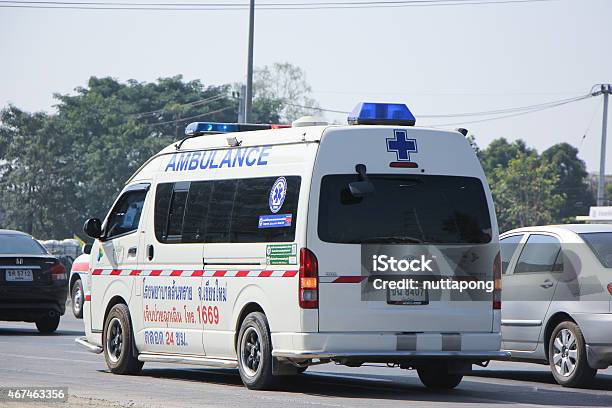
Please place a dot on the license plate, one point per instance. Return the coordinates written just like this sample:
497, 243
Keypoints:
19, 275
407, 296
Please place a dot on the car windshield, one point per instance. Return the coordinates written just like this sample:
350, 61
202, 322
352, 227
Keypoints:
405, 209
20, 244
601, 245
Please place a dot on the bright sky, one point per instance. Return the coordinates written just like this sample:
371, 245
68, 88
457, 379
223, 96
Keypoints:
438, 60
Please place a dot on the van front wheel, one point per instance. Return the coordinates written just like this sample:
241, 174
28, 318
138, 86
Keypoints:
117, 339
255, 352
436, 375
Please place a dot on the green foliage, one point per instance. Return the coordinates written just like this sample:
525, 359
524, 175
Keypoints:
573, 181
532, 189
525, 192
500, 152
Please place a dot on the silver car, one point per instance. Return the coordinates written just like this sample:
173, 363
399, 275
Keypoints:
557, 298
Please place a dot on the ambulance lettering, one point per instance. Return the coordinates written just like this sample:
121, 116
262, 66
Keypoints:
218, 159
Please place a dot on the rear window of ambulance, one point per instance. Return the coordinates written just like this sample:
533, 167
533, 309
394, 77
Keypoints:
404, 209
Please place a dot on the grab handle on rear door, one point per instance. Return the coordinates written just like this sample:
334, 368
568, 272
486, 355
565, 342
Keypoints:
547, 284
150, 252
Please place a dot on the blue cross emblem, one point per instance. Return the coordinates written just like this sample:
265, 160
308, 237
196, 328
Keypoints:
401, 145
278, 193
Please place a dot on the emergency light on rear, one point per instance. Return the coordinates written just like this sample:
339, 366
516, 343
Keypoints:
369, 113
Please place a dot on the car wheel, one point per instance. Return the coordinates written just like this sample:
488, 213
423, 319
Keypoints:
567, 356
436, 375
77, 297
118, 340
48, 324
255, 352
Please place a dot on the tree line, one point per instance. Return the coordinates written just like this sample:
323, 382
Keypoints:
58, 168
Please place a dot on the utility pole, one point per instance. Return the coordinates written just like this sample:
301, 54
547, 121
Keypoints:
241, 99
248, 96
605, 90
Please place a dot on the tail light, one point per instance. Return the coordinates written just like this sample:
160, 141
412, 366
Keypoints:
308, 292
610, 288
497, 282
58, 272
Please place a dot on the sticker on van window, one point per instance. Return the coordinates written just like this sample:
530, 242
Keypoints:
281, 254
275, 221
277, 194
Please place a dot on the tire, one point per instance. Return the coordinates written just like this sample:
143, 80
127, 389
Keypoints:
567, 356
435, 375
77, 298
48, 324
117, 338
254, 351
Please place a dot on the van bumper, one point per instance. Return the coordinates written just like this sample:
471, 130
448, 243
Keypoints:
388, 347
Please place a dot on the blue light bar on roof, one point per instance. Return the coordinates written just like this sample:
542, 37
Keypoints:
369, 113
201, 128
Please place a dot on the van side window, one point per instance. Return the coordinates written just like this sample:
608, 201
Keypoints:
539, 254
223, 211
198, 203
175, 214
126, 214
508, 248
219, 219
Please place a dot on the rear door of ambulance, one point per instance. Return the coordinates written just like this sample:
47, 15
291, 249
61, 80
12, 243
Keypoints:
429, 188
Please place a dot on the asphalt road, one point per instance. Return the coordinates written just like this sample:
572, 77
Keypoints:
30, 359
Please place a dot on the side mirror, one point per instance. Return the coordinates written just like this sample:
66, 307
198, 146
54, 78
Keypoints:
361, 188
93, 228
87, 249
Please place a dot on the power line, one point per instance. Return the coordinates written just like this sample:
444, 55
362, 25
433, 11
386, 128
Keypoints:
191, 117
506, 110
199, 102
544, 107
242, 6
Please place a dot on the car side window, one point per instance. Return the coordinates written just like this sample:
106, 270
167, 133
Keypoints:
508, 248
540, 254
126, 214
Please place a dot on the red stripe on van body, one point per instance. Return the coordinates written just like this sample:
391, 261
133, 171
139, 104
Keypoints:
348, 279
135, 272
219, 273
96, 272
265, 274
241, 274
80, 267
88, 298
176, 272
156, 272
197, 273
289, 274
116, 272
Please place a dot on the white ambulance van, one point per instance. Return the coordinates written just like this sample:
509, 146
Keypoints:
239, 247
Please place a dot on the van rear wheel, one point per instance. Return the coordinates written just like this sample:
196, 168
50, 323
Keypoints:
436, 375
255, 352
118, 342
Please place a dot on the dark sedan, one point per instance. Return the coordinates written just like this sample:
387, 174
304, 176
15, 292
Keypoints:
33, 284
